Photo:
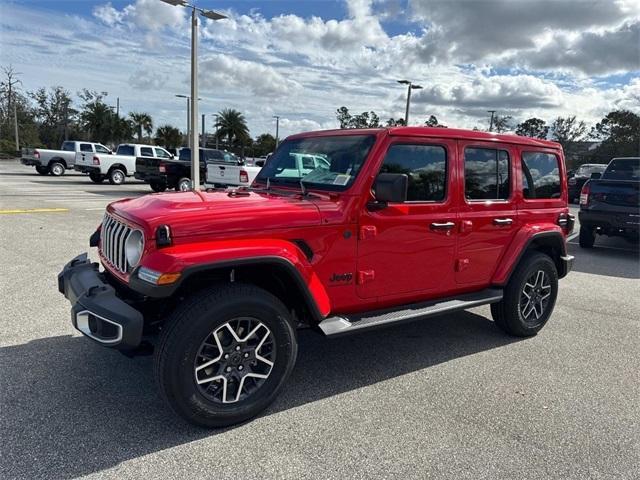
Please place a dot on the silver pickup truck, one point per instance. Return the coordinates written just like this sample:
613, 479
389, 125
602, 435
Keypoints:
56, 162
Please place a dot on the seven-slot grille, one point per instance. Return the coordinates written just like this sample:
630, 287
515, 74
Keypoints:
113, 236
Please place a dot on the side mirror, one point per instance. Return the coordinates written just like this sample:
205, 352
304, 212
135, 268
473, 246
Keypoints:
596, 175
391, 188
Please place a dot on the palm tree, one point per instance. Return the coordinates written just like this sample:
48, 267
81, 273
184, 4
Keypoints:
141, 121
168, 136
232, 124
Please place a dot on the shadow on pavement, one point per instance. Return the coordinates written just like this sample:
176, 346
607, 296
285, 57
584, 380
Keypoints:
70, 407
611, 262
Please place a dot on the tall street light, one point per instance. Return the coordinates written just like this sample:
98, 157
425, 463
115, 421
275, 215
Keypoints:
195, 144
217, 124
410, 86
188, 118
277, 117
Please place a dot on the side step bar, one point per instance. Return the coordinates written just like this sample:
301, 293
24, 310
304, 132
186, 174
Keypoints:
341, 325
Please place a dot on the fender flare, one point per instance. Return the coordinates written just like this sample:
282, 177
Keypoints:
58, 160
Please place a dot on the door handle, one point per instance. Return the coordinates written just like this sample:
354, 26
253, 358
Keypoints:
442, 226
502, 221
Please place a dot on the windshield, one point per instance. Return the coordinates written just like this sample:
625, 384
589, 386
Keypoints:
623, 169
68, 146
325, 162
587, 170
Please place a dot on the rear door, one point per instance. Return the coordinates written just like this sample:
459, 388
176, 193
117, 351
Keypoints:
407, 249
487, 214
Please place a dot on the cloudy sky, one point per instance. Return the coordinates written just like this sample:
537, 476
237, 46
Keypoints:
303, 59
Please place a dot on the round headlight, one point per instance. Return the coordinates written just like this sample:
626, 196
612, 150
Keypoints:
133, 247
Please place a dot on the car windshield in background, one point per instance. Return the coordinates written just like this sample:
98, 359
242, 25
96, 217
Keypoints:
587, 170
325, 162
623, 169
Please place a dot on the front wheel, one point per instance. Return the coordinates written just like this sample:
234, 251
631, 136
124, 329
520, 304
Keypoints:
42, 170
57, 169
529, 297
116, 176
183, 185
225, 354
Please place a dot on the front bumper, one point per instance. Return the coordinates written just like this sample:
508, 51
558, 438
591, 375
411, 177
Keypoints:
566, 266
96, 310
86, 169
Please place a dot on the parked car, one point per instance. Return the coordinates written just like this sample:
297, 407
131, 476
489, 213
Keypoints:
162, 173
119, 166
610, 203
56, 162
404, 224
226, 169
581, 175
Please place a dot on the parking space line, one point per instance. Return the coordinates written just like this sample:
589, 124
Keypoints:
34, 210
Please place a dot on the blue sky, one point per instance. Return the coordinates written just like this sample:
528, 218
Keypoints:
303, 59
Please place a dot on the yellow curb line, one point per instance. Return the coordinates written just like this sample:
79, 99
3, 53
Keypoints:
35, 210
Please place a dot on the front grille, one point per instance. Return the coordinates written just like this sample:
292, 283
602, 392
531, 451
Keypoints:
113, 235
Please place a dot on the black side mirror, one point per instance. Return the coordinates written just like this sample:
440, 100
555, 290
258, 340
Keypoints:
391, 188
595, 175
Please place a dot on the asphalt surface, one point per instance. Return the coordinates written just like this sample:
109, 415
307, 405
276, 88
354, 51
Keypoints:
449, 397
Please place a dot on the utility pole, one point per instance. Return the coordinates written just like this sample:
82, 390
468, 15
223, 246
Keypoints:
277, 117
492, 112
203, 139
118, 106
66, 121
15, 121
217, 121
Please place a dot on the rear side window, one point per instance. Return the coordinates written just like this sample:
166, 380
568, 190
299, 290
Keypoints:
86, 147
486, 174
146, 151
126, 150
185, 155
426, 167
623, 169
540, 175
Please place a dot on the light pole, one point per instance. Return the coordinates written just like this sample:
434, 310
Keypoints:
188, 118
277, 117
217, 117
410, 86
194, 143
492, 112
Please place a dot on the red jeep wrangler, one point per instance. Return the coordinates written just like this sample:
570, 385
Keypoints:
342, 231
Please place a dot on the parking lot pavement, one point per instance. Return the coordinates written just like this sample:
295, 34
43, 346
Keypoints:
450, 397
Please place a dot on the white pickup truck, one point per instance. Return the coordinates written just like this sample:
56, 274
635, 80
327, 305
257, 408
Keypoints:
226, 169
56, 162
116, 167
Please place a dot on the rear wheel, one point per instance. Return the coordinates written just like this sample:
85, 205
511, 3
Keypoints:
96, 177
183, 185
158, 187
224, 355
116, 176
57, 169
587, 236
42, 170
529, 297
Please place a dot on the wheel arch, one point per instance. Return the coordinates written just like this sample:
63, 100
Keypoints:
118, 165
58, 160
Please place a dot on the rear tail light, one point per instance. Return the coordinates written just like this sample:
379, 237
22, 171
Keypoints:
162, 168
244, 176
584, 195
96, 161
36, 154
567, 222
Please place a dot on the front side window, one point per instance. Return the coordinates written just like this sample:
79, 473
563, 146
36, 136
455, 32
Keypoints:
161, 153
341, 158
86, 147
102, 149
486, 174
540, 175
146, 151
426, 167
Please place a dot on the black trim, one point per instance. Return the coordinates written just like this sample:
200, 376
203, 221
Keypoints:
306, 249
163, 291
94, 239
562, 271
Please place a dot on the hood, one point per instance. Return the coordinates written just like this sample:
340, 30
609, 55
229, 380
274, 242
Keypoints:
205, 213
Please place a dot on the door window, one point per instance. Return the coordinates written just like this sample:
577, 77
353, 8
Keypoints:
540, 175
426, 167
102, 149
160, 153
486, 174
146, 151
86, 147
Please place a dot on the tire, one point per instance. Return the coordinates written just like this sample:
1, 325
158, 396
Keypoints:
42, 170
56, 169
587, 237
187, 343
96, 177
116, 176
158, 187
535, 276
183, 185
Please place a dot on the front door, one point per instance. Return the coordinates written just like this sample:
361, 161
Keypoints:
488, 219
409, 248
